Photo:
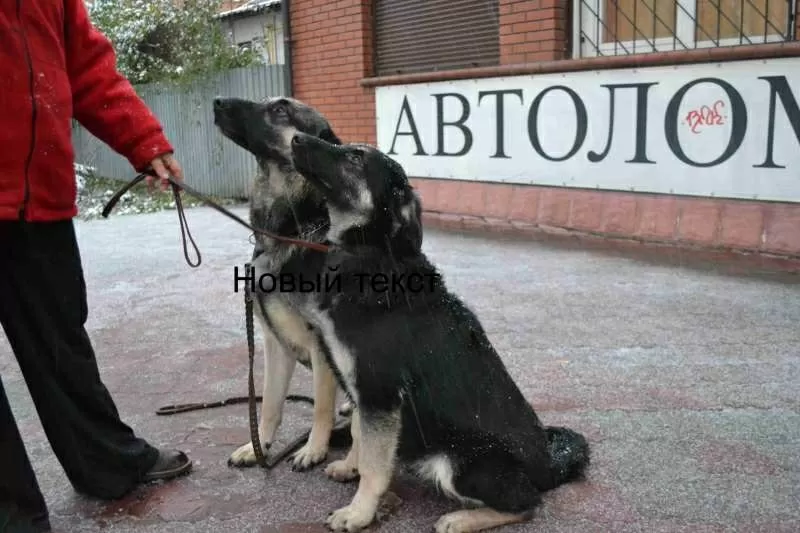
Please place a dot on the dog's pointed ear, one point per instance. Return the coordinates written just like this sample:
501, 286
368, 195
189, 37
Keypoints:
328, 135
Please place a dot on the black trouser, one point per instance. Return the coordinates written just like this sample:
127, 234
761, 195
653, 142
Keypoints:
43, 310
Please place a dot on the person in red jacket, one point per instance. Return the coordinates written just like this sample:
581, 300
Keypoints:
54, 65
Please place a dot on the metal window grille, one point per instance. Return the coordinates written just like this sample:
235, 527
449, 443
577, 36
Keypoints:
621, 27
430, 35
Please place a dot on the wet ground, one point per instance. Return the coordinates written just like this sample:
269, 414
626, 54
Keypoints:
684, 376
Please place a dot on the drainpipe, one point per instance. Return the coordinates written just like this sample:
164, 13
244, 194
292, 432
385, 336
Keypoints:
287, 43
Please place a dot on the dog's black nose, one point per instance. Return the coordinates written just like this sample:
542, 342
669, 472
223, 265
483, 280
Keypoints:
219, 102
296, 139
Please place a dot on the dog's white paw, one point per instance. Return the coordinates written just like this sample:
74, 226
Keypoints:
308, 457
352, 518
246, 455
341, 471
457, 522
346, 409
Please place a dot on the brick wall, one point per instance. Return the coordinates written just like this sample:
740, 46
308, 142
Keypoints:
533, 31
708, 223
332, 52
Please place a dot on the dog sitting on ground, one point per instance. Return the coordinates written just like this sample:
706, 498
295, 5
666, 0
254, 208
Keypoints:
429, 389
284, 203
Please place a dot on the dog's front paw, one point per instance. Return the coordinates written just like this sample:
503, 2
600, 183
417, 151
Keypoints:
351, 518
246, 455
308, 457
457, 522
341, 470
346, 409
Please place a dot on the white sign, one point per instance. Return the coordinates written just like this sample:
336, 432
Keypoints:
723, 129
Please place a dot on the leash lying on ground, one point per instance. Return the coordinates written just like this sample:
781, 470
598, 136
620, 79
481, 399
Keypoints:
252, 398
174, 409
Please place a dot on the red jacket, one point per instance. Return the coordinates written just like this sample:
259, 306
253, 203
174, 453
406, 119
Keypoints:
54, 65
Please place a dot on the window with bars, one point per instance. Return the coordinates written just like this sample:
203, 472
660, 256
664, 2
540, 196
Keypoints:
429, 35
620, 27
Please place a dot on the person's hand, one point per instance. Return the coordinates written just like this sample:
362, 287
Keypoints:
165, 165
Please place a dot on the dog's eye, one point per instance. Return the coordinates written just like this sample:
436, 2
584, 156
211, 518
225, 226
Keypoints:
354, 157
280, 108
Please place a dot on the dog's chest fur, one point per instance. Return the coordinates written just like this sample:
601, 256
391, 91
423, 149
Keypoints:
357, 324
283, 203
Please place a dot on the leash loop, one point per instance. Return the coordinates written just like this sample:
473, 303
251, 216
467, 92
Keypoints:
185, 229
177, 187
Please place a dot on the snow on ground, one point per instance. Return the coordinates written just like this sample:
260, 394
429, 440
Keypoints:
81, 172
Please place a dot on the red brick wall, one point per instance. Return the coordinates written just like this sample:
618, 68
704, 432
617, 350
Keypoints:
533, 31
331, 53
710, 223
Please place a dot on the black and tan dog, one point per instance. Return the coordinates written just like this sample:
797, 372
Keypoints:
429, 388
284, 203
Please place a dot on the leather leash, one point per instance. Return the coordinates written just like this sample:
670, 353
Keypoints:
248, 297
176, 189
255, 438
174, 409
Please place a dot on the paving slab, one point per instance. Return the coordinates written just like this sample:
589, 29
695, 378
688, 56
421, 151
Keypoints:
684, 375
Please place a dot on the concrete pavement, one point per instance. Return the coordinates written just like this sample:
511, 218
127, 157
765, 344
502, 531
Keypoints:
683, 375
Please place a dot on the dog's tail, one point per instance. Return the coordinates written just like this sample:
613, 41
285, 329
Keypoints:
569, 454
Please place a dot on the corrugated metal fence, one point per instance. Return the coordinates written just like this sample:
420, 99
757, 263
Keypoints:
212, 164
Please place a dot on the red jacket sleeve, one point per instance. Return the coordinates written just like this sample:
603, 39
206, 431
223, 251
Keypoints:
104, 102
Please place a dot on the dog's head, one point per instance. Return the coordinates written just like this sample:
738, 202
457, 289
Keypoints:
265, 129
369, 197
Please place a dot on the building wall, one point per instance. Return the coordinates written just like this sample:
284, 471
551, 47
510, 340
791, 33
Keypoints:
533, 31
331, 53
265, 27
332, 70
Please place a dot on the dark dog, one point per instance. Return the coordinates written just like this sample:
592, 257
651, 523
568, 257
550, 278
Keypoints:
284, 203
429, 389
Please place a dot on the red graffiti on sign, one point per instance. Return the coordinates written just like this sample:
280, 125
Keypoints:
705, 116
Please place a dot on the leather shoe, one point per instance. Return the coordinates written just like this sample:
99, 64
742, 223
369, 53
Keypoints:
170, 464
